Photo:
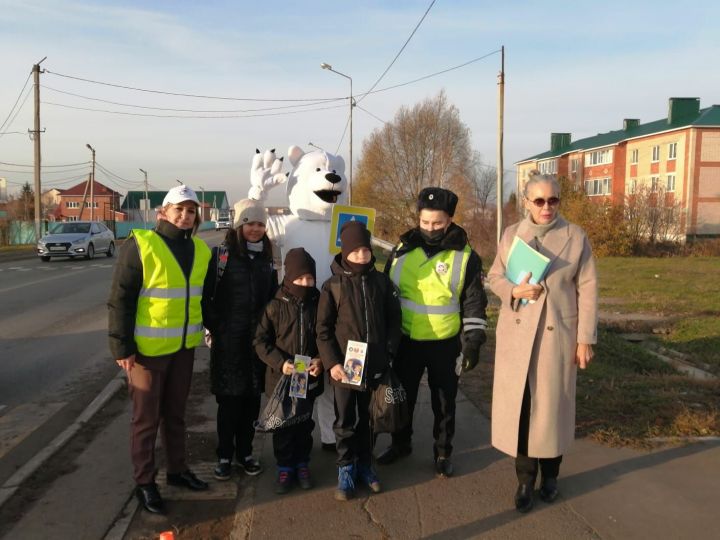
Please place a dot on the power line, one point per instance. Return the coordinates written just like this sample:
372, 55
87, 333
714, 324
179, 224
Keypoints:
20, 108
117, 176
436, 73
126, 113
343, 134
315, 102
371, 114
400, 51
182, 94
45, 166
2, 126
59, 171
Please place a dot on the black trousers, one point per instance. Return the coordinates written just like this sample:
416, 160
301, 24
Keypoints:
235, 418
292, 445
353, 437
438, 357
526, 467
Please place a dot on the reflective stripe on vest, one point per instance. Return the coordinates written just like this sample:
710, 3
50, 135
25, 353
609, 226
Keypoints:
430, 290
168, 315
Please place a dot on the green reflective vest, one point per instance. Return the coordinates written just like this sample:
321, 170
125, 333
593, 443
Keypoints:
430, 291
168, 315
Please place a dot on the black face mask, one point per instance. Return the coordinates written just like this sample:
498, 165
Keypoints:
432, 238
298, 291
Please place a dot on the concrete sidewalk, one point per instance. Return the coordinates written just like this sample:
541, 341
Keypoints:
605, 493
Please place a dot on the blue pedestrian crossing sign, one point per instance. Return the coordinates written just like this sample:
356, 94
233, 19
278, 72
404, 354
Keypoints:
341, 215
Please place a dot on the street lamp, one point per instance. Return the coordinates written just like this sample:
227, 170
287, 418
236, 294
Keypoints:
352, 104
92, 184
147, 199
202, 207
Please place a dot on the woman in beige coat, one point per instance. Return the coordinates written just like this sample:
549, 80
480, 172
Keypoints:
541, 342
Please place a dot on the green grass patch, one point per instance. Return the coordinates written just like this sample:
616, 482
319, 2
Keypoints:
626, 396
673, 286
682, 288
698, 337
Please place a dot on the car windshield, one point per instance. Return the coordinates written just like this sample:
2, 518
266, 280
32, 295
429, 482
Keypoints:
70, 228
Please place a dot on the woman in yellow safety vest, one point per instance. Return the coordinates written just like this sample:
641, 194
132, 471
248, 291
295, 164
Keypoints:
155, 323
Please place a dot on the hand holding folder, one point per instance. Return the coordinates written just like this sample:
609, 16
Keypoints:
524, 260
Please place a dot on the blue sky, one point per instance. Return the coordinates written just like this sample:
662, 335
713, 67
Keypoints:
579, 67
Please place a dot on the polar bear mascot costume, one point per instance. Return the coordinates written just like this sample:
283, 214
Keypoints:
316, 183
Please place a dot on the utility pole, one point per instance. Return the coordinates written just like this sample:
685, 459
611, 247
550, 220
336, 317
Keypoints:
36, 140
501, 113
92, 185
147, 199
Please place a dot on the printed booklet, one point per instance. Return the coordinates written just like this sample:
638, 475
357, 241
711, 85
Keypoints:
299, 378
354, 365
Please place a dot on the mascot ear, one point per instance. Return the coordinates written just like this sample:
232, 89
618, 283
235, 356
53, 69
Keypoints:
295, 153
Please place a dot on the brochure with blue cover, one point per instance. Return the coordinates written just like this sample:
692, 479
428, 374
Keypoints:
523, 259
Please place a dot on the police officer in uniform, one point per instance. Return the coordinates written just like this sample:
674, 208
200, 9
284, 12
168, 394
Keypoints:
443, 317
155, 323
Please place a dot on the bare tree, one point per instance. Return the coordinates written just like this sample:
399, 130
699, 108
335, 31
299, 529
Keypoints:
652, 215
427, 145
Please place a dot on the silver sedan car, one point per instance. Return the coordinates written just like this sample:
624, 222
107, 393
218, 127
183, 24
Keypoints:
76, 239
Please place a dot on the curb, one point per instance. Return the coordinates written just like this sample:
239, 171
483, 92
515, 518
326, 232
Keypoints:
12, 484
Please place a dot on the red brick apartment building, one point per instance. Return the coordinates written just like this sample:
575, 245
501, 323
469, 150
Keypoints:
106, 203
679, 154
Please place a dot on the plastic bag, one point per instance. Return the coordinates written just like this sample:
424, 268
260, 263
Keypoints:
283, 411
389, 409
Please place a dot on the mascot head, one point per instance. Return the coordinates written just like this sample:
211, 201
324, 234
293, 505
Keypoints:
316, 183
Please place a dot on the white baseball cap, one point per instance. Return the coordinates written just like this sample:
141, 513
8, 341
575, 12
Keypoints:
180, 194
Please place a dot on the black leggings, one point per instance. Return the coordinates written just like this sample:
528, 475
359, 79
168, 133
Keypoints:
235, 418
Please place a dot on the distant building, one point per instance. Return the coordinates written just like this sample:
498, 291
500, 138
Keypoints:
74, 203
679, 155
214, 204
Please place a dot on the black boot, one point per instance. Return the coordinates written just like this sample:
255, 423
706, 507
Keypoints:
548, 489
524, 497
392, 453
150, 499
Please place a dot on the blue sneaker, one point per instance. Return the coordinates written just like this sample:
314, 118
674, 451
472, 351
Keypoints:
346, 484
283, 484
303, 476
367, 474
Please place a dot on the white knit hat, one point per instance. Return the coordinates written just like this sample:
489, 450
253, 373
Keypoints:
247, 211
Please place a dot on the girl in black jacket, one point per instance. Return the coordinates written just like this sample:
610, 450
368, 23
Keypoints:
240, 281
361, 304
287, 328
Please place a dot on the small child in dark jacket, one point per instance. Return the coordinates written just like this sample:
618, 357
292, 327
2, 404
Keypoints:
357, 303
287, 328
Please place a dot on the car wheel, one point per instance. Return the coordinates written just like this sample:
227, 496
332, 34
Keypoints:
44, 258
90, 252
111, 249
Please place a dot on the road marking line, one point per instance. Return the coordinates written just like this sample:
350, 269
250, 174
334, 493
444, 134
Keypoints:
36, 282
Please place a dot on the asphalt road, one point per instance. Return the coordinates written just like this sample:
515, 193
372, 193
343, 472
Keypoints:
54, 357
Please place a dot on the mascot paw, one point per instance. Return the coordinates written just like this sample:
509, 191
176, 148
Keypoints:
265, 173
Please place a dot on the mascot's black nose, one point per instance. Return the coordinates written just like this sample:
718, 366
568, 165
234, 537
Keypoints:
332, 177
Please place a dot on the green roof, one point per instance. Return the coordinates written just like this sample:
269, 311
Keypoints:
132, 199
709, 116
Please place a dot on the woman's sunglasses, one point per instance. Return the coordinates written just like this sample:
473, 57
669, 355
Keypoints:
540, 202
